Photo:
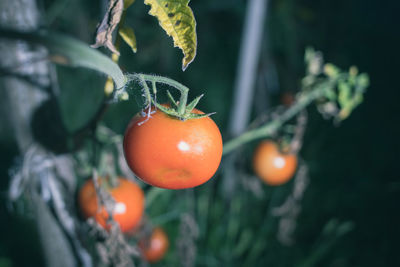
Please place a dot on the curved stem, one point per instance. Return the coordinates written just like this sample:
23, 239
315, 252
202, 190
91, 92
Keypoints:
183, 89
146, 89
271, 127
167, 81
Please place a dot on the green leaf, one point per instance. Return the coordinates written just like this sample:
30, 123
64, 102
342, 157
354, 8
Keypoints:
128, 35
199, 116
344, 93
171, 99
69, 51
331, 70
177, 19
363, 80
128, 3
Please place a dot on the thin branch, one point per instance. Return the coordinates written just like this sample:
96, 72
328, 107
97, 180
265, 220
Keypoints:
271, 127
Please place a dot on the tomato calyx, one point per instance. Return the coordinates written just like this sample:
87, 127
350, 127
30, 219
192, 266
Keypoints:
283, 146
182, 112
177, 109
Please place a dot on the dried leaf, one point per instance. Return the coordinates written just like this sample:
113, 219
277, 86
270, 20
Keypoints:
177, 19
128, 35
108, 24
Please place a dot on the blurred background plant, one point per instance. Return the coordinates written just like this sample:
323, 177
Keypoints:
341, 208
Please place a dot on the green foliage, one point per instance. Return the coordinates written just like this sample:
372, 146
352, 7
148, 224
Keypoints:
349, 215
70, 51
129, 37
5, 262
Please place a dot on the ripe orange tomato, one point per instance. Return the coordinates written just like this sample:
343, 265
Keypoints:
129, 206
170, 153
273, 166
155, 247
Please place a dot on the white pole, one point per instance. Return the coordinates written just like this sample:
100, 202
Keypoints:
247, 66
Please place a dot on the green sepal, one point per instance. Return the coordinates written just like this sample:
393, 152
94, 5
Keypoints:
167, 110
193, 104
171, 99
198, 116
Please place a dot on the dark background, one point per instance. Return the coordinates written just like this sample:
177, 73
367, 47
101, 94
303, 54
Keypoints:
354, 168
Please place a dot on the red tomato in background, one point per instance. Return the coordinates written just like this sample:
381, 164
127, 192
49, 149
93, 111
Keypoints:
273, 166
170, 153
129, 206
156, 246
288, 98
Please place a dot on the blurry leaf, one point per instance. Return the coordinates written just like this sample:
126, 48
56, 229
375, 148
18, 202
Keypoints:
353, 71
344, 228
233, 227
79, 88
154, 192
108, 24
109, 86
127, 34
331, 95
128, 3
5, 262
313, 60
115, 58
309, 54
244, 243
57, 250
330, 227
177, 19
166, 217
331, 70
71, 52
363, 80
344, 93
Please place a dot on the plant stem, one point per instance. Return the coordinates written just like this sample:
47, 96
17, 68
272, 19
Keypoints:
182, 103
146, 89
183, 89
271, 127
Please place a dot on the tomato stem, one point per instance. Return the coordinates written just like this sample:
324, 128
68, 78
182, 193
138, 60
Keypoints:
181, 105
268, 129
113, 181
146, 90
342, 90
